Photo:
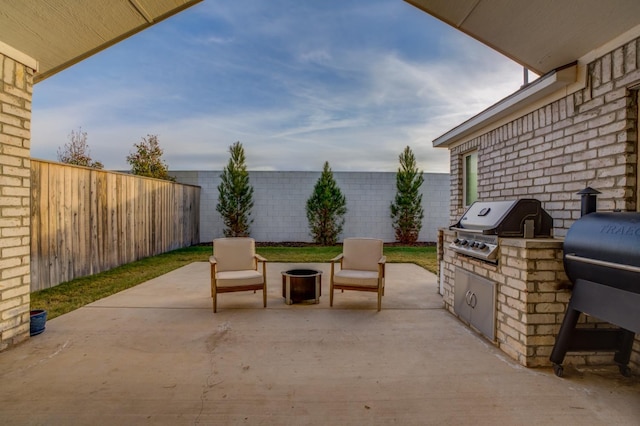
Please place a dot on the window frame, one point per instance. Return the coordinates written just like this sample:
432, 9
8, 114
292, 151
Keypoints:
465, 181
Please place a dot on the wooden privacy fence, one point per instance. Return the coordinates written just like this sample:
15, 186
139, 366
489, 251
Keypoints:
85, 221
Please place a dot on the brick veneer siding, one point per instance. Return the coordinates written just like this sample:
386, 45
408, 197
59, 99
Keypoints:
531, 295
15, 122
280, 201
587, 138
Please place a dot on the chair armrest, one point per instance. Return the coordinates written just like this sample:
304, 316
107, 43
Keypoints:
383, 259
260, 258
337, 258
212, 260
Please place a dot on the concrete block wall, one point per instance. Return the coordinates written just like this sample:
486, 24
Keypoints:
279, 211
588, 138
15, 123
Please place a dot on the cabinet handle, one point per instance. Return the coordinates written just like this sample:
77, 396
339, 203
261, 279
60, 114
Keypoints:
474, 301
471, 299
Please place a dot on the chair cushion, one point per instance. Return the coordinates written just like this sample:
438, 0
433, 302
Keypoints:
361, 253
356, 278
234, 254
238, 278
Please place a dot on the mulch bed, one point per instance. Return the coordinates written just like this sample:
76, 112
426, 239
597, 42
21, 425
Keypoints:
303, 244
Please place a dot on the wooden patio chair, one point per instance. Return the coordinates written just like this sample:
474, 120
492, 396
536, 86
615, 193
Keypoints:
234, 267
362, 267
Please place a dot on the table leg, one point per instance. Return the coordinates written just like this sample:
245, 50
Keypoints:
287, 290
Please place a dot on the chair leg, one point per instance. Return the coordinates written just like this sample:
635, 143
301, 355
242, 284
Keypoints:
264, 295
213, 288
379, 300
331, 285
331, 294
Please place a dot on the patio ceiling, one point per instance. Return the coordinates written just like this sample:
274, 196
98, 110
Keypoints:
60, 33
542, 35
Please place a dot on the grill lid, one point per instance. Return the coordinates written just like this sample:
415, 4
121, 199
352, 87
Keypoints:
485, 215
511, 218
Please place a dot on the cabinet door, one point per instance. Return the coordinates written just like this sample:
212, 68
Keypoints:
460, 292
483, 313
475, 301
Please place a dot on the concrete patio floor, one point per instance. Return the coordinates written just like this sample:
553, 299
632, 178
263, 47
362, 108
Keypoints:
156, 354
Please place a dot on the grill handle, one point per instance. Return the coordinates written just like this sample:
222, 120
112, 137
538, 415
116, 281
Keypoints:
628, 268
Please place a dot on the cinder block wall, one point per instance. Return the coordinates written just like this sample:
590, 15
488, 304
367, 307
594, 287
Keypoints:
15, 136
280, 198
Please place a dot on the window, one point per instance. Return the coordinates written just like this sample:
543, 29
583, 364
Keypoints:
470, 178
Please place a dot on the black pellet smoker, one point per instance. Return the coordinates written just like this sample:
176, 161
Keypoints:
602, 260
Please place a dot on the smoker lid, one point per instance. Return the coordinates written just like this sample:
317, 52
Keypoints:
506, 218
606, 236
604, 247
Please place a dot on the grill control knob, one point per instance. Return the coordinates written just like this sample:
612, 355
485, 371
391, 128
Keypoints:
482, 246
456, 241
464, 242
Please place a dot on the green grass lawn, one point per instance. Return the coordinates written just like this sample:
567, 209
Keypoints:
74, 294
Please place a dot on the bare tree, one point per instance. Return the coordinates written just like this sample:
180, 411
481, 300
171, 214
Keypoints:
77, 151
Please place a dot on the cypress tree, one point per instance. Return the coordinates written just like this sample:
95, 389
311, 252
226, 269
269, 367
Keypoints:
326, 209
235, 195
406, 210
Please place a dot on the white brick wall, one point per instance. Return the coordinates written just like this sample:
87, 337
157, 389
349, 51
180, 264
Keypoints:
587, 138
15, 122
279, 211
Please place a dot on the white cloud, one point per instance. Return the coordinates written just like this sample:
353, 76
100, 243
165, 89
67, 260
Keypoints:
294, 96
217, 40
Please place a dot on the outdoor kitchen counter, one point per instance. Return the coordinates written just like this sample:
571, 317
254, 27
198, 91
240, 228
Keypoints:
531, 293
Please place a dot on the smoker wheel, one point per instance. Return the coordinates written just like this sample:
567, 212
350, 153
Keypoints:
624, 370
558, 370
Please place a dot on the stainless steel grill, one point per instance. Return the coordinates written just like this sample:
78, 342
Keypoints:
484, 222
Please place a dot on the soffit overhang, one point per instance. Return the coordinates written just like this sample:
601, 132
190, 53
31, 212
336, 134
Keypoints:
541, 35
59, 33
552, 38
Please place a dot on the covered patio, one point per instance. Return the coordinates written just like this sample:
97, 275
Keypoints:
156, 354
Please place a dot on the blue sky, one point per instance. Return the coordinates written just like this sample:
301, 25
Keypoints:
298, 83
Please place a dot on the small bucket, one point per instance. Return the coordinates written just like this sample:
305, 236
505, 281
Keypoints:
38, 320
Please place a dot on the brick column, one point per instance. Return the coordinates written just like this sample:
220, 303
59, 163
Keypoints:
16, 84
